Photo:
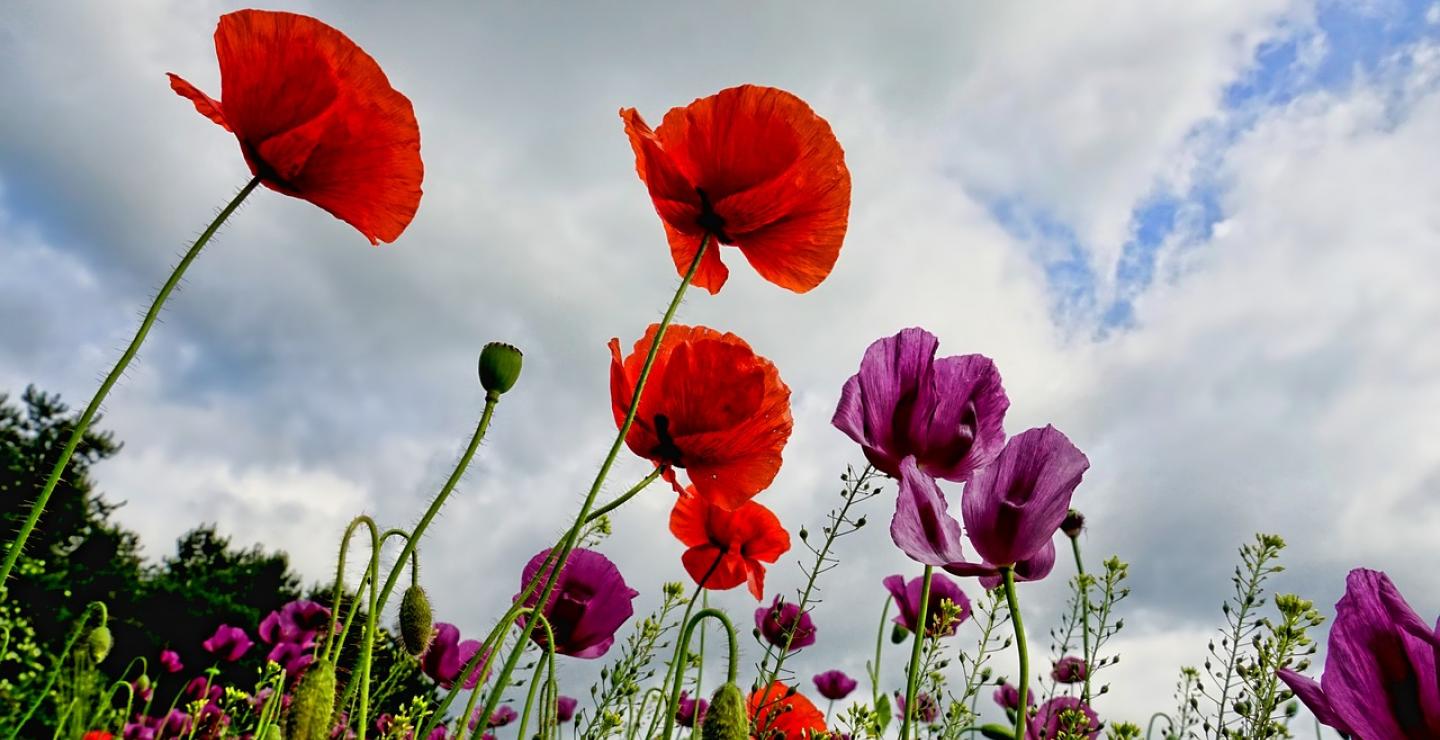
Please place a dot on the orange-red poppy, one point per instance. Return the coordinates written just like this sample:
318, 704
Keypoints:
755, 168
779, 711
316, 119
727, 548
711, 406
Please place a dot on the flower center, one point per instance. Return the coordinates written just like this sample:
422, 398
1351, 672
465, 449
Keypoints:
709, 219
666, 451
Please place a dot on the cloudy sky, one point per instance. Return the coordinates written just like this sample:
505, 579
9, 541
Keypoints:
1200, 238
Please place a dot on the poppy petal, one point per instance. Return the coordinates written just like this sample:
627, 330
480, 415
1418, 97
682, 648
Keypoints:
922, 526
687, 521
206, 105
724, 570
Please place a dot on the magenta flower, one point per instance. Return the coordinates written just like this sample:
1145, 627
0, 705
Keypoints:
565, 708
778, 620
926, 708
446, 656
834, 685
907, 598
1008, 697
1034, 568
228, 643
298, 621
588, 605
502, 716
202, 687
1380, 680
948, 413
170, 661
690, 712
1013, 507
1063, 714
293, 657
1069, 669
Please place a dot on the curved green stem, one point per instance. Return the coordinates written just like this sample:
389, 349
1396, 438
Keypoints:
732, 668
1151, 727
534, 615
567, 543
1084, 616
626, 496
78, 433
879, 646
547, 660
677, 662
367, 644
1011, 600
91, 608
912, 676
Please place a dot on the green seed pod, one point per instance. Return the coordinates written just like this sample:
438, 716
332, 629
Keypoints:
727, 718
99, 643
314, 703
899, 634
499, 367
416, 626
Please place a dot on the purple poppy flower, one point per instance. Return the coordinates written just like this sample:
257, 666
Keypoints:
834, 685
927, 710
1015, 505
1069, 669
228, 643
1063, 714
502, 716
1034, 568
922, 526
1008, 697
907, 598
690, 712
588, 605
143, 691
949, 413
202, 687
446, 656
298, 621
170, 661
776, 621
565, 708
293, 657
1380, 680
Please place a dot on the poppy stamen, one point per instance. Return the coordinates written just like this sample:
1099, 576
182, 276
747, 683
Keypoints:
666, 451
710, 220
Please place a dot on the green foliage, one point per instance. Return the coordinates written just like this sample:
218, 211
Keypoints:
1230, 694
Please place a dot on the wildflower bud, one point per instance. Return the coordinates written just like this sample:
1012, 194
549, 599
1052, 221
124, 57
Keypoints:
804, 533
314, 703
898, 633
416, 627
142, 684
499, 367
727, 718
1073, 523
860, 522
996, 732
99, 642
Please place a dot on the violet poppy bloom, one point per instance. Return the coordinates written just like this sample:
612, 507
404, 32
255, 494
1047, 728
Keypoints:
203, 687
927, 710
170, 661
298, 621
293, 657
1008, 697
228, 643
1063, 714
1380, 680
690, 712
1034, 568
1014, 506
565, 708
446, 656
907, 598
778, 620
949, 413
834, 685
502, 716
588, 605
1069, 669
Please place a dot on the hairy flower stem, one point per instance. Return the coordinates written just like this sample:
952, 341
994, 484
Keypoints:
626, 496
481, 726
78, 433
546, 663
567, 543
94, 607
879, 646
1013, 602
913, 676
1084, 617
677, 663
491, 399
732, 668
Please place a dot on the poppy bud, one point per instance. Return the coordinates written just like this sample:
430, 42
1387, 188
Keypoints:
898, 634
1072, 524
997, 732
142, 684
314, 703
727, 718
99, 642
416, 627
499, 367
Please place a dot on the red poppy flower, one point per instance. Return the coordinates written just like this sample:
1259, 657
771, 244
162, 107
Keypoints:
755, 168
316, 119
773, 714
727, 547
711, 406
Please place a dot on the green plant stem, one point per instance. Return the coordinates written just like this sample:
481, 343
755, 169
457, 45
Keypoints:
367, 644
879, 646
626, 496
1149, 728
677, 662
568, 541
534, 615
1013, 602
78, 434
732, 668
913, 675
546, 661
79, 629
1084, 616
